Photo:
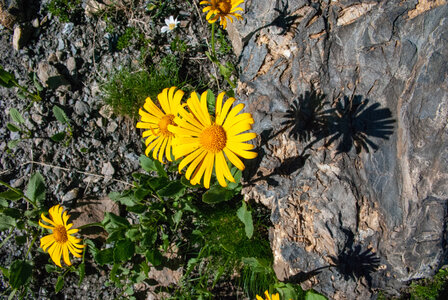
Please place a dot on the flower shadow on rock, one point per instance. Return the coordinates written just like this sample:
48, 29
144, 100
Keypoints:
355, 124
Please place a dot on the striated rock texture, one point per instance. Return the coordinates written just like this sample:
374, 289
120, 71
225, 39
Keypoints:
350, 100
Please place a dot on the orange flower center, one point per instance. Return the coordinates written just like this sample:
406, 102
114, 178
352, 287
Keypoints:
60, 234
213, 138
224, 6
163, 125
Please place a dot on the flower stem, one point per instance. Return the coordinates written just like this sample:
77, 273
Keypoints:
18, 192
31, 245
213, 41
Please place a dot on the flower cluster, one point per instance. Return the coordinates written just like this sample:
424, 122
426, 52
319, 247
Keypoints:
204, 141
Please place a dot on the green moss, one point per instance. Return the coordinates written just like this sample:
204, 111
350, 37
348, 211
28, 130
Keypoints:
65, 10
431, 288
126, 90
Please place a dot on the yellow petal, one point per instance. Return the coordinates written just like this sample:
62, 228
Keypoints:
153, 109
234, 159
45, 226
65, 255
56, 253
243, 137
208, 162
189, 158
243, 153
49, 221
194, 164
225, 109
46, 241
163, 100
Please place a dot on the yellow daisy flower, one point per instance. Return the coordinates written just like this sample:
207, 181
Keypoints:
222, 9
274, 296
61, 240
206, 142
156, 120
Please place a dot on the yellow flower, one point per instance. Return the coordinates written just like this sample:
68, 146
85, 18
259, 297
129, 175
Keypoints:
61, 240
274, 296
204, 141
158, 138
222, 9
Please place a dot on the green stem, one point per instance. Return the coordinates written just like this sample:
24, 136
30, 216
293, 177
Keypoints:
213, 41
6, 239
31, 245
19, 193
97, 224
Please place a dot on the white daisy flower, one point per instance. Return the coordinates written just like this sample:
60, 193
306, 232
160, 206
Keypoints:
171, 24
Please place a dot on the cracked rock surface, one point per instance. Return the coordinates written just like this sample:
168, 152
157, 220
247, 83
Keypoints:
350, 102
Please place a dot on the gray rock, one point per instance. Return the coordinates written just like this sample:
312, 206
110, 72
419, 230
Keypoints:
112, 126
50, 76
363, 181
71, 64
81, 108
68, 28
21, 36
108, 169
70, 195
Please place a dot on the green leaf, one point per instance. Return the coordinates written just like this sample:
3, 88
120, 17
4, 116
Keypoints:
149, 238
13, 213
10, 195
105, 256
36, 188
16, 116
6, 78
50, 268
127, 199
160, 169
13, 143
177, 217
123, 251
6, 222
154, 257
57, 137
60, 115
217, 194
59, 284
236, 173
147, 164
5, 272
20, 273
245, 216
3, 202
12, 127
20, 239
81, 272
173, 189
187, 183
211, 101
312, 295
289, 291
133, 234
36, 83
157, 183
112, 221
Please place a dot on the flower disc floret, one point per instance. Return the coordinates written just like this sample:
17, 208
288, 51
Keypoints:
222, 10
157, 120
207, 143
61, 240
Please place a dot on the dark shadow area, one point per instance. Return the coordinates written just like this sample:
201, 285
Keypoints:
351, 121
284, 21
354, 262
356, 123
306, 116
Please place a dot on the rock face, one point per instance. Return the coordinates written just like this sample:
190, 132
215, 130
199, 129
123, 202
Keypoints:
350, 102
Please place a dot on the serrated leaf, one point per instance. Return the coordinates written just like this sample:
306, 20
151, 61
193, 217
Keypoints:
147, 164
133, 234
245, 216
105, 256
123, 251
6, 222
81, 273
12, 127
6, 78
160, 169
20, 273
16, 116
60, 115
211, 101
173, 189
58, 136
36, 188
217, 194
13, 143
112, 221
59, 284
3, 202
149, 238
50, 268
10, 195
154, 257
312, 295
128, 199
13, 213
